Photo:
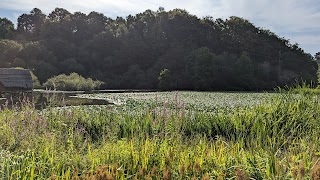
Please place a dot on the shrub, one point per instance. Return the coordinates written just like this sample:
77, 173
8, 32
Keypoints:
164, 80
72, 82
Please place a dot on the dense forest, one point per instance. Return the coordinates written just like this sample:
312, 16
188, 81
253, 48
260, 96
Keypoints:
154, 49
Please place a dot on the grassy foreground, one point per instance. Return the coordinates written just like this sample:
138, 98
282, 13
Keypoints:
278, 138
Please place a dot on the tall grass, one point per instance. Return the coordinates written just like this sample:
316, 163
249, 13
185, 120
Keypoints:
277, 139
303, 88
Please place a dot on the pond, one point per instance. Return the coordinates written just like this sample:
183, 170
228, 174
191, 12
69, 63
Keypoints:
42, 99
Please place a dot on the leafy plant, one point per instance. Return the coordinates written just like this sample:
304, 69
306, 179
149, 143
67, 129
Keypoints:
72, 82
164, 80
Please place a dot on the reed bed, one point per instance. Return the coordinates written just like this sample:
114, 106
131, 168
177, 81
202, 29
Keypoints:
277, 138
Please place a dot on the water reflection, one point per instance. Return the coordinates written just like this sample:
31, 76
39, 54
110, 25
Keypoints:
43, 99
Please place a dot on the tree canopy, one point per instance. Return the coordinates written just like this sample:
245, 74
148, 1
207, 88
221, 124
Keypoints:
6, 27
200, 53
317, 57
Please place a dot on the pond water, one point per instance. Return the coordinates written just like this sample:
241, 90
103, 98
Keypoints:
42, 99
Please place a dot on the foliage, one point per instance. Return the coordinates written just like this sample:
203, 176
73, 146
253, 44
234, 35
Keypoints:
6, 27
209, 71
275, 139
8, 52
134, 78
164, 80
201, 68
72, 82
230, 54
36, 82
317, 57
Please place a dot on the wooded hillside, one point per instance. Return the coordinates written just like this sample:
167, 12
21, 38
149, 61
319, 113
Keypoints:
191, 53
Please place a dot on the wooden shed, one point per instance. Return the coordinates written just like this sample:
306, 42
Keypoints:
15, 80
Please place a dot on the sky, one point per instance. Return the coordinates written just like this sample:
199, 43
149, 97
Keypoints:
297, 20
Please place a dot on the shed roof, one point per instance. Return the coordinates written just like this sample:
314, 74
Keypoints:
16, 78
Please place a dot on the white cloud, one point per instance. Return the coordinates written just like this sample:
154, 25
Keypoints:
309, 43
294, 19
285, 17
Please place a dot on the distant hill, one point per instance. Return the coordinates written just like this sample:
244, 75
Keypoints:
198, 53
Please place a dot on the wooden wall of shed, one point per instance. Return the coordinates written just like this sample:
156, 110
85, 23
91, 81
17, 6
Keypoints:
2, 88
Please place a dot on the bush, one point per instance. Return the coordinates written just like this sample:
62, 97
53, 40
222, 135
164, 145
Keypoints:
72, 82
164, 80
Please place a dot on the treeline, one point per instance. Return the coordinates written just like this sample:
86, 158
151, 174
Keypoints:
191, 53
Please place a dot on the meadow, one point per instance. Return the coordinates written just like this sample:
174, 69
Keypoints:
165, 135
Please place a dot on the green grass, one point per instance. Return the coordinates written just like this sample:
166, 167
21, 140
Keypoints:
303, 88
173, 135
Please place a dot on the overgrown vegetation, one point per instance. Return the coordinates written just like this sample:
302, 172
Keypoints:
201, 53
303, 88
164, 80
278, 138
36, 82
72, 82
